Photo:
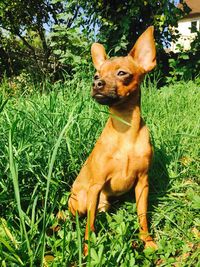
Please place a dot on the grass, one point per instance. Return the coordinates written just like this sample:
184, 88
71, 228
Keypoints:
46, 137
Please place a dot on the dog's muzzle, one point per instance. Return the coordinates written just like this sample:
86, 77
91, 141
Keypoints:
105, 99
104, 94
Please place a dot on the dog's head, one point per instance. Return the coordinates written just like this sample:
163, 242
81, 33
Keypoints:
116, 78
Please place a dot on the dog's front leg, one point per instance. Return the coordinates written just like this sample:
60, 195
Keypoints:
141, 193
92, 204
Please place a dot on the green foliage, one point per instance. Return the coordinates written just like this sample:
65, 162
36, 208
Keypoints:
47, 39
45, 139
70, 47
24, 23
121, 22
185, 65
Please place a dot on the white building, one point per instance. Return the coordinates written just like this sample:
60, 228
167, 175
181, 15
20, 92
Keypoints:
187, 26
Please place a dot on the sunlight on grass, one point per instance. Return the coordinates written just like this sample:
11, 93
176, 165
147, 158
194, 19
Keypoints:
45, 139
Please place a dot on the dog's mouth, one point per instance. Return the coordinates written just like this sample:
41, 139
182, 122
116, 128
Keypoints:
105, 99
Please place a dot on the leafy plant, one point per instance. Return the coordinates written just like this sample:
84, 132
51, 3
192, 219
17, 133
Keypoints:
185, 65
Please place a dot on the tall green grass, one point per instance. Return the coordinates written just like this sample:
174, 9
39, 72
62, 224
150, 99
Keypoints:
46, 137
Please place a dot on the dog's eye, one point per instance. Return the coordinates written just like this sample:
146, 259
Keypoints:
96, 77
121, 73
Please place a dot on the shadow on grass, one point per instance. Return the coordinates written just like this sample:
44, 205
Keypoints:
158, 180
158, 176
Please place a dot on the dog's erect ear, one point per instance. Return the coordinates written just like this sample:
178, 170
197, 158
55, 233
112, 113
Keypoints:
98, 55
144, 50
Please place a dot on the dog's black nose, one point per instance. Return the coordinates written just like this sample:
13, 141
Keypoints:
99, 84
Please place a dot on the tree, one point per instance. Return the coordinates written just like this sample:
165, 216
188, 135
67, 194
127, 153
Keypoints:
48, 36
121, 22
26, 23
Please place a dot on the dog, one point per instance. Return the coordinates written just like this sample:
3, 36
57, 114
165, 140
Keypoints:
122, 155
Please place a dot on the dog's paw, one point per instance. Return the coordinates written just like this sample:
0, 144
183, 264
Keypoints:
151, 244
85, 249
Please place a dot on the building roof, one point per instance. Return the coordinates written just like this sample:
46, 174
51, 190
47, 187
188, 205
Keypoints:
194, 5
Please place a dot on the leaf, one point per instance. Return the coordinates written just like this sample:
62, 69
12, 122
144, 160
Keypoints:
58, 52
196, 202
2, 104
184, 56
6, 233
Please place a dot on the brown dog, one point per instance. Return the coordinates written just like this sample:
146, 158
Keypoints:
122, 154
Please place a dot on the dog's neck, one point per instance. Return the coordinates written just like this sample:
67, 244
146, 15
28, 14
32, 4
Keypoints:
127, 115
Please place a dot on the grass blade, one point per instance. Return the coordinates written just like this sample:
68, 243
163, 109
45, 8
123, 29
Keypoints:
14, 175
52, 161
79, 240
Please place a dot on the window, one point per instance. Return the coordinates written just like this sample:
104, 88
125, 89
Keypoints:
193, 26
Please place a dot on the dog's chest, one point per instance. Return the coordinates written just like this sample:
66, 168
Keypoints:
125, 163
120, 159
